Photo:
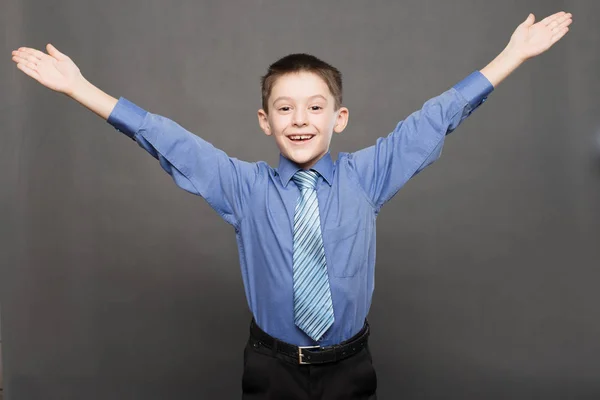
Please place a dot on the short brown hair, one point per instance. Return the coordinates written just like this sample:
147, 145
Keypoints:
298, 63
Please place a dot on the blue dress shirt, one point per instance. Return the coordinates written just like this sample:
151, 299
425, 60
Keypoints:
259, 201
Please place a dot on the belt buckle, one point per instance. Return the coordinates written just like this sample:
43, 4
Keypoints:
301, 356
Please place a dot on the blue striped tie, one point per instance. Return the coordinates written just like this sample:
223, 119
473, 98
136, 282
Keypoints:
313, 309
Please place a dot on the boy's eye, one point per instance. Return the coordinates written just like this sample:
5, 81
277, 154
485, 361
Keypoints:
316, 108
284, 108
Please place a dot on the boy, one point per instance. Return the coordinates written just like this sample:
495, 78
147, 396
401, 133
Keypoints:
306, 230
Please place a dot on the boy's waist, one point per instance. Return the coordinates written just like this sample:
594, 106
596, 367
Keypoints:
310, 354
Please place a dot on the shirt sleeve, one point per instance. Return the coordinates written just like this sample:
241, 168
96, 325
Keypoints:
416, 142
194, 164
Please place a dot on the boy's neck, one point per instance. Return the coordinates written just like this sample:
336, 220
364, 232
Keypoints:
308, 165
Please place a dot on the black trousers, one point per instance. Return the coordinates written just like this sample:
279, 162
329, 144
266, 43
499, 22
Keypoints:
270, 375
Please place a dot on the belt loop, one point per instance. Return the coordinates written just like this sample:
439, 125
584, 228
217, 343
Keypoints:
274, 349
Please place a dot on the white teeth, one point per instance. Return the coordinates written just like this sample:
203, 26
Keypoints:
300, 137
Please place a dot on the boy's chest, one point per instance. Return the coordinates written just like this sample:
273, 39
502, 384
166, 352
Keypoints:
347, 223
340, 207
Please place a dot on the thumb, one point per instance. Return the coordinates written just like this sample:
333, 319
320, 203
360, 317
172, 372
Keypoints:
53, 51
529, 21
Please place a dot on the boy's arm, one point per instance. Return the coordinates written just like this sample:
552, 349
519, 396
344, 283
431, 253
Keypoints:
417, 141
194, 164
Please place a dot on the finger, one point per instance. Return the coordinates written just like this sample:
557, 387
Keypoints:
24, 61
565, 17
29, 71
560, 20
559, 35
546, 21
33, 52
566, 21
53, 51
529, 20
18, 59
28, 57
553, 24
564, 24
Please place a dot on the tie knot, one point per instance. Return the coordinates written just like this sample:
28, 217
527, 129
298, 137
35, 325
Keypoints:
306, 179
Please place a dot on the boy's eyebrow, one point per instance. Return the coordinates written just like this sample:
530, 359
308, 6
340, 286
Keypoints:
290, 99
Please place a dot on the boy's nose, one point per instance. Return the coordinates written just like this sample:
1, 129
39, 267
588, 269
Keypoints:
299, 117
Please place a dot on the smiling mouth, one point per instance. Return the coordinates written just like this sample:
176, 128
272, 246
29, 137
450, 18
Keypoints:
300, 138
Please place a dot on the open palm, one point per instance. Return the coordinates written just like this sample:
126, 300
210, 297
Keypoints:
54, 70
530, 40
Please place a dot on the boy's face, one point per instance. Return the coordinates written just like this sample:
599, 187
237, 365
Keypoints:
302, 117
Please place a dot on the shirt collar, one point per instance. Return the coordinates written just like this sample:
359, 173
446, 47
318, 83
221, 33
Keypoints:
288, 168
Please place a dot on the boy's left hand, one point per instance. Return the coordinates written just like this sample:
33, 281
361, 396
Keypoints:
530, 40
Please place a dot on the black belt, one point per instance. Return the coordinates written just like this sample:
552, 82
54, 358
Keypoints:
311, 354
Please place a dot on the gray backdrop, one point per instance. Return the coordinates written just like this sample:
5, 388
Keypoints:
117, 284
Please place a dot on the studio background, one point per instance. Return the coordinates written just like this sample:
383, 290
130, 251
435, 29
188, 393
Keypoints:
116, 284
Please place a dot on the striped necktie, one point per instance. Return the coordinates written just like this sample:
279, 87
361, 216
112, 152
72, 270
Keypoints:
313, 308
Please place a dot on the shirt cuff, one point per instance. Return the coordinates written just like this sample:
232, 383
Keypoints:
127, 117
475, 88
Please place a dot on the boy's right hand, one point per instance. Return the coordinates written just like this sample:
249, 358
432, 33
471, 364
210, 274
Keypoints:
54, 70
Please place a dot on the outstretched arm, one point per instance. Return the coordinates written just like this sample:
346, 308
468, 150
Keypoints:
528, 40
417, 141
194, 164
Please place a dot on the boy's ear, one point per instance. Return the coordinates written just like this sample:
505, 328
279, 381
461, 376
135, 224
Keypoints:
342, 120
263, 121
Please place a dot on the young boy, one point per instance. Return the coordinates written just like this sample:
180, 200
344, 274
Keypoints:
305, 230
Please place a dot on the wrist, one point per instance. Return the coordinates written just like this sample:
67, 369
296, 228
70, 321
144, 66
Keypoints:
79, 87
502, 66
512, 56
91, 97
